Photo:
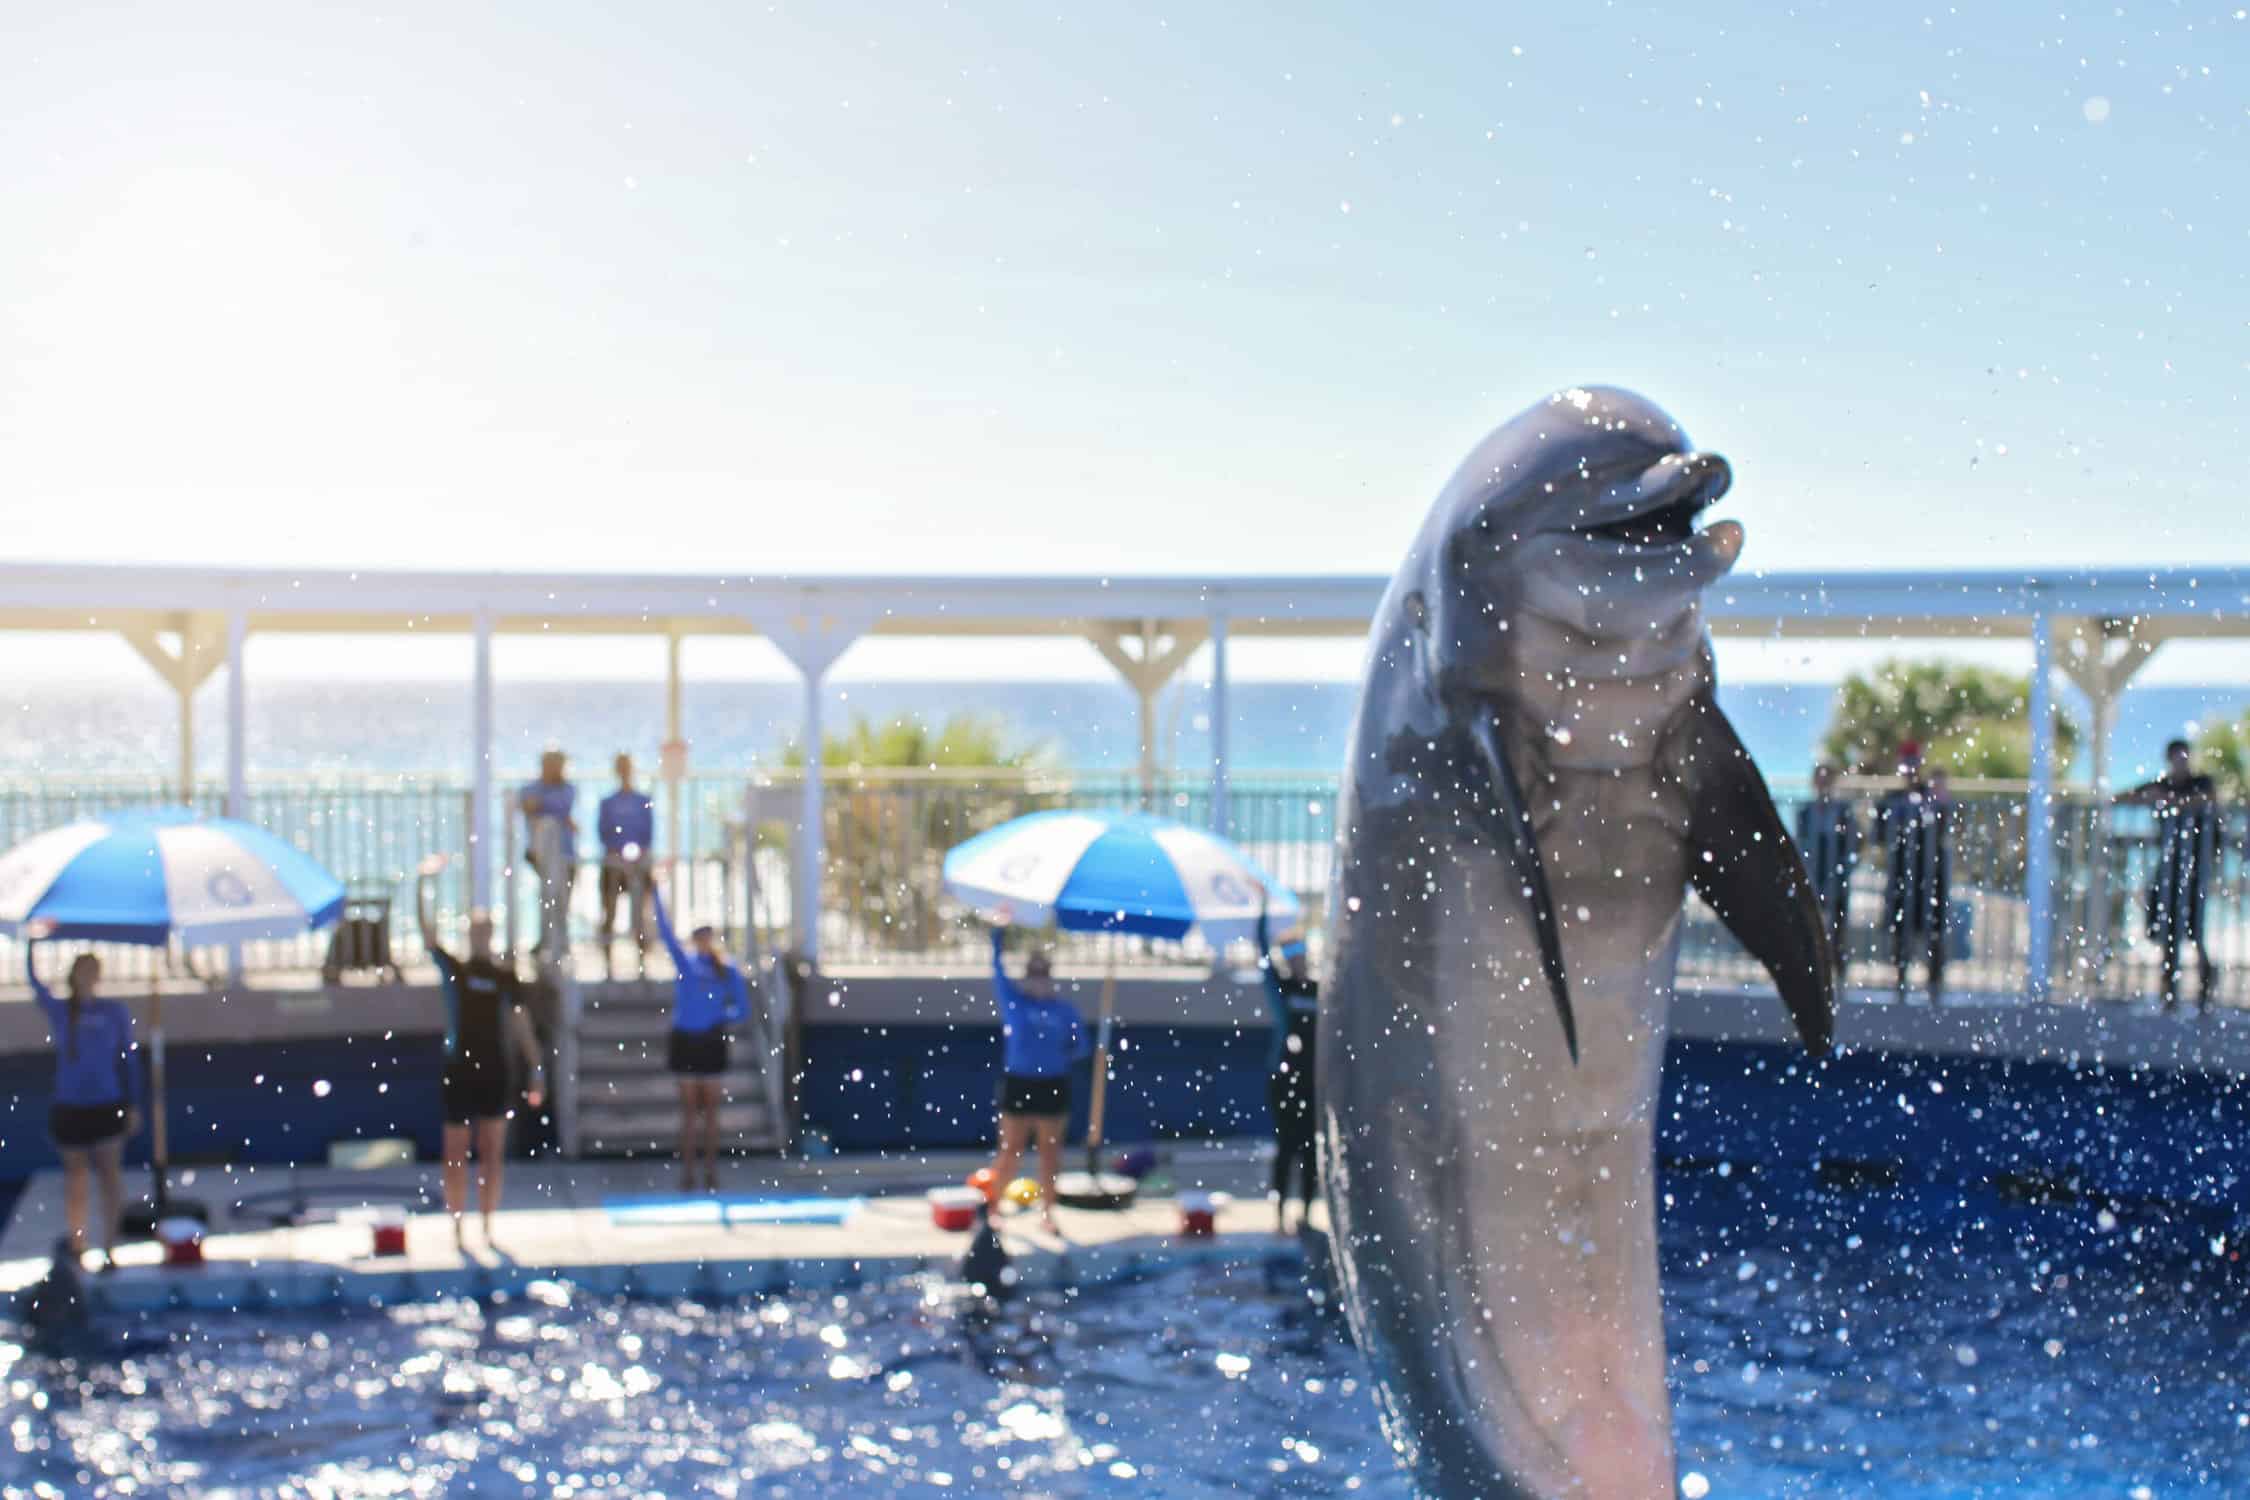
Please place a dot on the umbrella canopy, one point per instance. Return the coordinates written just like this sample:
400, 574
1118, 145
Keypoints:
1117, 872
150, 877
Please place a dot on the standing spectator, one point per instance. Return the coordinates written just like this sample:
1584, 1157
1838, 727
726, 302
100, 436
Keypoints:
552, 796
97, 1094
2186, 804
1912, 825
627, 822
1828, 833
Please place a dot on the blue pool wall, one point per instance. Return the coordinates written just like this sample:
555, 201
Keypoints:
2125, 1129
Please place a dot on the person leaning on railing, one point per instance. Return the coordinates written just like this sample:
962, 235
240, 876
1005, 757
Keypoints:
552, 797
626, 822
2186, 805
1828, 835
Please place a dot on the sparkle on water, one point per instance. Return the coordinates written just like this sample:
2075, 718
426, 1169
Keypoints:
1824, 1343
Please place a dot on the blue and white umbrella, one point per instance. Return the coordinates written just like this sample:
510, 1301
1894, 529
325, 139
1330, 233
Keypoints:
1117, 872
151, 877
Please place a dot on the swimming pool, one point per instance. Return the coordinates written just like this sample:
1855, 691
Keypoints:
1837, 1338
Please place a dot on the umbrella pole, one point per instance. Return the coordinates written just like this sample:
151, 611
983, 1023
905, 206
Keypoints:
160, 1142
1101, 1062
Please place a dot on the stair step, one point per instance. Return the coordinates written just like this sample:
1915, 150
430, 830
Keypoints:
654, 1132
652, 1090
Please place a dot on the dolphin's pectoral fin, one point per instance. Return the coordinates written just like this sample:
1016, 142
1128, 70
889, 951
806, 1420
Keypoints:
1748, 870
1514, 834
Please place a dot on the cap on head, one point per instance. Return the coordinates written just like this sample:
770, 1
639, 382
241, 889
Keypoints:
705, 933
1909, 752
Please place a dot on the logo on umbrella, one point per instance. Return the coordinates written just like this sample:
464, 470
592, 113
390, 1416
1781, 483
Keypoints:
1225, 887
227, 888
1019, 867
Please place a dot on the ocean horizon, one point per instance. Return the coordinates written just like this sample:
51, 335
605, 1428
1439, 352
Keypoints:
296, 726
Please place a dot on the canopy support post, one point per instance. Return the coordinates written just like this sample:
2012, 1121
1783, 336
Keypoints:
813, 643
2039, 813
1147, 656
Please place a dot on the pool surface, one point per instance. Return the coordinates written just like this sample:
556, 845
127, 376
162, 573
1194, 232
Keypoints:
1837, 1338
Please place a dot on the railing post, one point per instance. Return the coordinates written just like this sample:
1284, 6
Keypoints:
238, 749
480, 770
2039, 813
1221, 811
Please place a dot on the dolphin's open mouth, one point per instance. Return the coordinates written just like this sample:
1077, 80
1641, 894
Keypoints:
1666, 524
1657, 507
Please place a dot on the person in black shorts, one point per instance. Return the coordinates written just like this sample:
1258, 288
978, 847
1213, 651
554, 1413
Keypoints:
484, 1018
1041, 1038
97, 1093
709, 995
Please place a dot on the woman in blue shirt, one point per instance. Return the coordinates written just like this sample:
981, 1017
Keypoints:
1040, 1037
97, 1093
709, 996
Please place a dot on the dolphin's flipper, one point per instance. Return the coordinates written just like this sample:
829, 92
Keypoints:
1747, 869
1515, 836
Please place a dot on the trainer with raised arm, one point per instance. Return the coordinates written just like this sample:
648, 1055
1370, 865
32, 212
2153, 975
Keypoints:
97, 1093
710, 995
484, 1018
1041, 1036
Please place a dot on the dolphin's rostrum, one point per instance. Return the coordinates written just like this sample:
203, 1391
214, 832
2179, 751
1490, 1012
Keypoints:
1538, 773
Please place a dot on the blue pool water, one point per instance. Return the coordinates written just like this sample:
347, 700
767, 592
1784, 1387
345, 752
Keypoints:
1841, 1340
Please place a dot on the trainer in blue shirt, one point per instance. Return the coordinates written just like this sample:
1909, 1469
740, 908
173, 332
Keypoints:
97, 1092
626, 822
710, 995
1040, 1037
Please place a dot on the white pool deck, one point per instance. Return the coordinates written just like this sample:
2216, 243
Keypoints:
553, 1226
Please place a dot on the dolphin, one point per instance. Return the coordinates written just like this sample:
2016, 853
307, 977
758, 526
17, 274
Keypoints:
1538, 772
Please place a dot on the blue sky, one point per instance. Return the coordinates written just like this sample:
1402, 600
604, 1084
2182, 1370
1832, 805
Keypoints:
1000, 288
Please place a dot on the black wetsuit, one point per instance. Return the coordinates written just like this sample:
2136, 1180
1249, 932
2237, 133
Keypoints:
2187, 828
1917, 895
1289, 1077
1828, 836
479, 995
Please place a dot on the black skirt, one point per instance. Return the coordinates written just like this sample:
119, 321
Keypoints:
474, 1090
76, 1127
697, 1054
1040, 1098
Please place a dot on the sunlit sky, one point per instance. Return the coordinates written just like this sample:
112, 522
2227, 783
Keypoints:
1002, 288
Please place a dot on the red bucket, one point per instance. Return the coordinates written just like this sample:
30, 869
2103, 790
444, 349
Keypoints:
1199, 1214
390, 1230
955, 1208
182, 1240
